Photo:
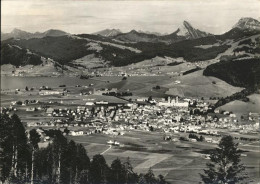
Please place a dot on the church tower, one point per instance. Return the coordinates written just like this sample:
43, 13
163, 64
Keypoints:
177, 100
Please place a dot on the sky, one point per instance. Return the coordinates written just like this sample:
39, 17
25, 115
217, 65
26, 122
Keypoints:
88, 16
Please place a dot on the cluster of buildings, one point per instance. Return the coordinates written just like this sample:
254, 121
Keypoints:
171, 115
167, 116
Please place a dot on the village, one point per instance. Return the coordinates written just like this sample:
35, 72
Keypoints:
98, 113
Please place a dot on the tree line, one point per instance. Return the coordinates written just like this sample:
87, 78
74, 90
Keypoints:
241, 95
62, 161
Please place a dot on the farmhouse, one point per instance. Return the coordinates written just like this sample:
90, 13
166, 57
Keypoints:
49, 111
76, 133
50, 92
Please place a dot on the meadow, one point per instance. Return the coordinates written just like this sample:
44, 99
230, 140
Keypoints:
171, 159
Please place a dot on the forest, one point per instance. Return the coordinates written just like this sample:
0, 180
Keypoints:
62, 161
237, 72
18, 56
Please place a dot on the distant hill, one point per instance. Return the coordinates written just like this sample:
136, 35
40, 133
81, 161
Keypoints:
151, 32
63, 49
12, 54
53, 32
135, 36
16, 33
108, 32
20, 34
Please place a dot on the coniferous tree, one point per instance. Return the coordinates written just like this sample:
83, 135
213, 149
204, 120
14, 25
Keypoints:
98, 170
60, 158
82, 162
34, 140
225, 166
162, 180
6, 147
117, 173
149, 177
131, 176
84, 179
72, 154
141, 179
14, 152
21, 152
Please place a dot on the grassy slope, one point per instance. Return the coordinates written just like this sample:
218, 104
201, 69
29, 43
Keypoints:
140, 85
240, 107
197, 85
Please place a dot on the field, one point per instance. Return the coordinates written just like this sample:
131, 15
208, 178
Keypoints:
171, 159
46, 69
89, 61
197, 85
191, 85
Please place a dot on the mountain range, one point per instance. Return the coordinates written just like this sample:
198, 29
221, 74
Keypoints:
115, 48
184, 32
20, 34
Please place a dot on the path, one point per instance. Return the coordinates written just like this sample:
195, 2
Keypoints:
103, 152
106, 150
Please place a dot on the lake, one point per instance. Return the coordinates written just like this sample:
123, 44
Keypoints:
12, 82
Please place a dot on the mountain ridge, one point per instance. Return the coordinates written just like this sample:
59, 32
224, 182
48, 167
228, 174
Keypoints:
192, 44
186, 31
108, 32
20, 34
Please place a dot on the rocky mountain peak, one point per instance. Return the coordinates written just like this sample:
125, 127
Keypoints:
247, 23
187, 30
